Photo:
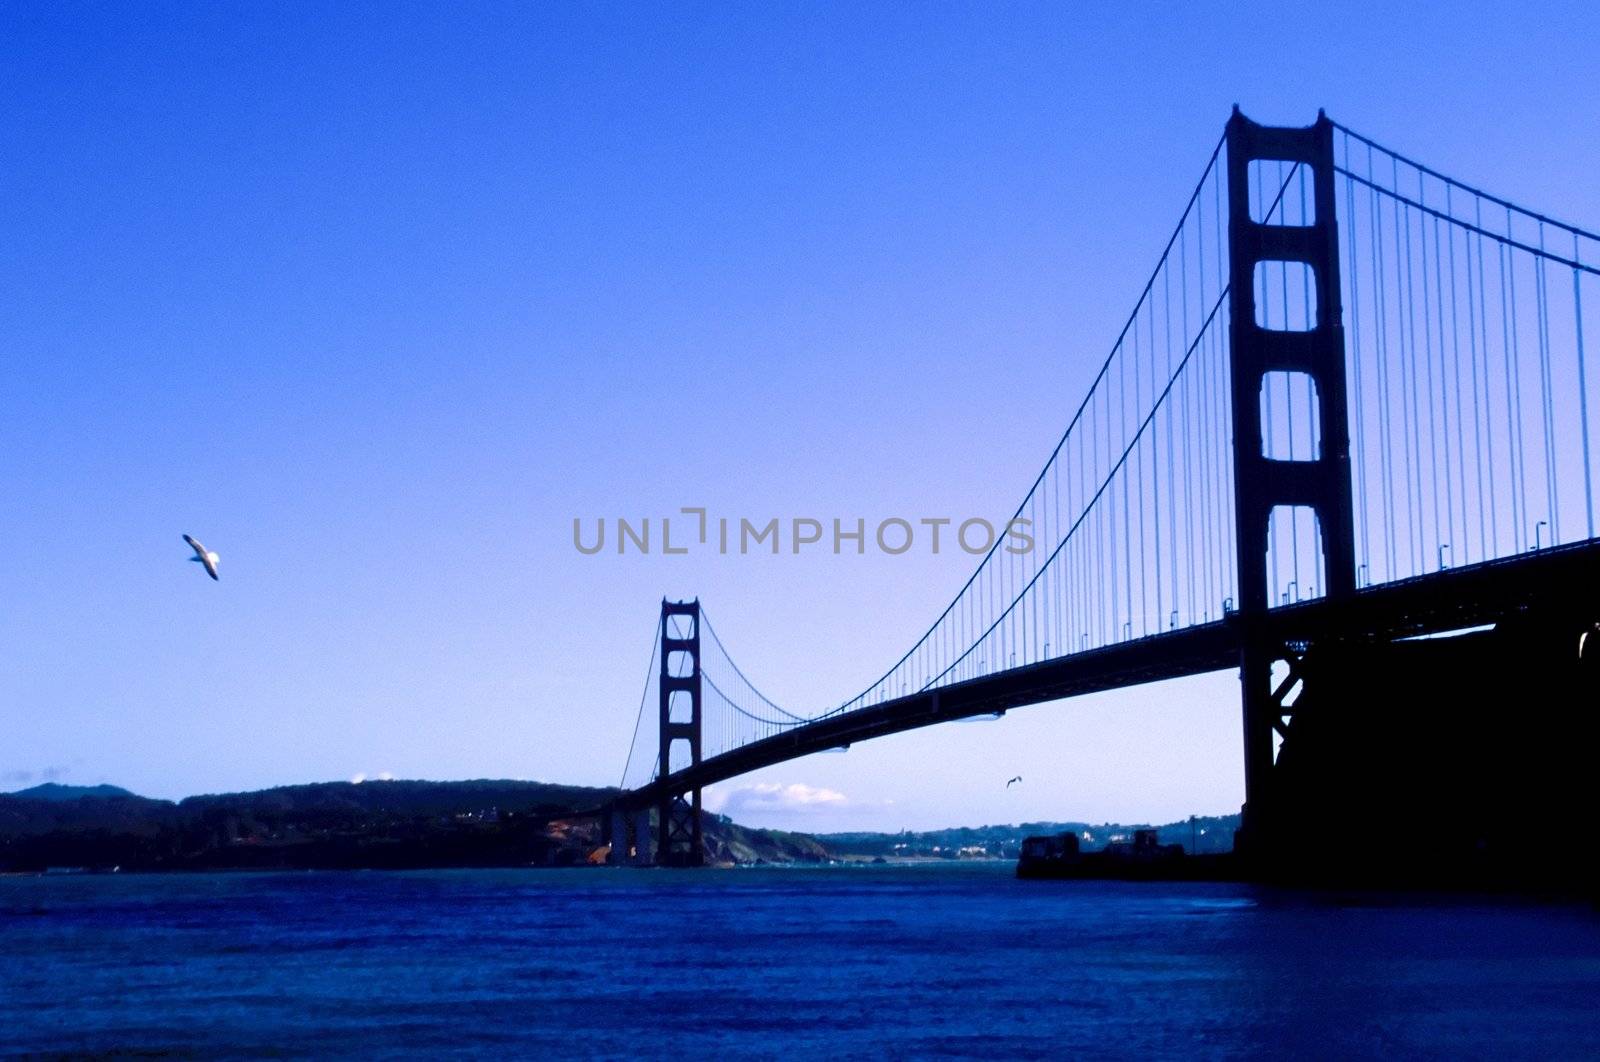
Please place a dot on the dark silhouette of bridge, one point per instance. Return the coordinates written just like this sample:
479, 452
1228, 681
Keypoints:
1350, 407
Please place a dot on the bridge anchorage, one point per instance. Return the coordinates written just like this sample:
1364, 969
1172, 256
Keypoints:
1349, 410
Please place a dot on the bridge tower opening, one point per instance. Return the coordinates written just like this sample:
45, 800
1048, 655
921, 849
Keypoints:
679, 839
1263, 481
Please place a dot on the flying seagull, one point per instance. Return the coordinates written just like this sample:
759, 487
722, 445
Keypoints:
1014, 781
203, 556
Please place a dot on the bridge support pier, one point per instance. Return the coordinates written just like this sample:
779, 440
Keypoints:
615, 826
679, 840
1263, 483
643, 854
627, 831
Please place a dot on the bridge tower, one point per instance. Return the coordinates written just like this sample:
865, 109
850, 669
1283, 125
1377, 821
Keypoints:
1263, 483
678, 839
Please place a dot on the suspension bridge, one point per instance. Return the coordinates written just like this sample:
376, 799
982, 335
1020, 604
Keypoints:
1351, 405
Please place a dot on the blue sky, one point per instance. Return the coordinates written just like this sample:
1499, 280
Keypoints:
375, 299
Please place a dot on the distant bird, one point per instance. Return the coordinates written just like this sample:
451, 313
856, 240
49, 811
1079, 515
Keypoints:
203, 556
1014, 781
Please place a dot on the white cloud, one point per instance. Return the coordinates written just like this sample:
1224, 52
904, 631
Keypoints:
763, 797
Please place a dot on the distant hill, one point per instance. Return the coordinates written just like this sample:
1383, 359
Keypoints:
335, 800
728, 842
482, 822
56, 791
69, 810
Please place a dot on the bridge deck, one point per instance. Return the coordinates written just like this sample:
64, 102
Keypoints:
1443, 601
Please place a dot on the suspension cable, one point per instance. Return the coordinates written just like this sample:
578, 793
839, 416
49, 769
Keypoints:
1073, 423
791, 721
649, 675
1105, 483
1504, 240
1498, 201
706, 619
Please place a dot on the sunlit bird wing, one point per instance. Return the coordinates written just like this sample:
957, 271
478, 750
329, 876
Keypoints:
203, 556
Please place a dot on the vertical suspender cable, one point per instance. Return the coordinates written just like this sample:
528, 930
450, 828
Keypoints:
1583, 389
